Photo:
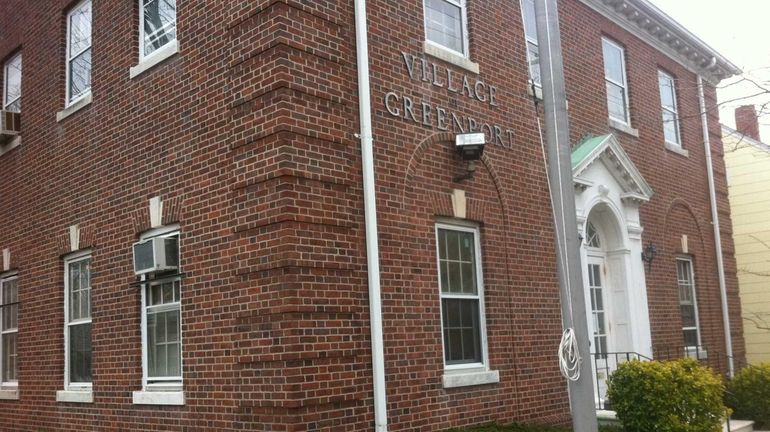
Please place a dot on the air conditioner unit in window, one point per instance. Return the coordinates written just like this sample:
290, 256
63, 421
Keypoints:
10, 126
156, 254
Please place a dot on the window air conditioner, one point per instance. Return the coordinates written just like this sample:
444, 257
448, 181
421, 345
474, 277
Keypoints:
10, 126
156, 254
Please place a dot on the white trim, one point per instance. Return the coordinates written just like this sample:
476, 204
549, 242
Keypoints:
675, 111
528, 40
68, 58
470, 379
449, 56
5, 79
148, 58
623, 127
163, 382
463, 28
74, 387
9, 394
158, 398
624, 85
473, 229
694, 298
82, 396
152, 60
676, 149
75, 107
9, 385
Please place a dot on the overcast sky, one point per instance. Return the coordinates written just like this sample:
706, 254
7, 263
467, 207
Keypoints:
737, 29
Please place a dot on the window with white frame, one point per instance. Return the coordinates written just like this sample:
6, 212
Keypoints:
157, 25
615, 78
462, 299
78, 52
12, 84
688, 304
669, 109
446, 24
530, 34
9, 330
162, 326
77, 318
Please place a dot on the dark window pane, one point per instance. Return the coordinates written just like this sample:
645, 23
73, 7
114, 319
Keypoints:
9, 357
80, 74
455, 348
80, 353
691, 337
455, 282
453, 245
468, 278
466, 247
444, 276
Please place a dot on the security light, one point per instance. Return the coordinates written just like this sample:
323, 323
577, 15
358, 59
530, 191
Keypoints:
470, 146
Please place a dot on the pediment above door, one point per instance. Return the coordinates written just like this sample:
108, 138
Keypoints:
606, 150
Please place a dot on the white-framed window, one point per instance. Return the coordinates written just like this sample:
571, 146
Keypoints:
157, 25
9, 330
615, 78
12, 84
78, 56
530, 35
462, 296
162, 325
446, 25
688, 304
77, 322
669, 109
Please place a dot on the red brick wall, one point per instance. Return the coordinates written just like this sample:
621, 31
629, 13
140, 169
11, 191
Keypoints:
250, 132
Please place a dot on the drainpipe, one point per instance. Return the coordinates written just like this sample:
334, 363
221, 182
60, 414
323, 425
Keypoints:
370, 218
717, 234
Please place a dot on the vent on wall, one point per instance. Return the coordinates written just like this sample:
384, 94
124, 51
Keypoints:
156, 255
10, 126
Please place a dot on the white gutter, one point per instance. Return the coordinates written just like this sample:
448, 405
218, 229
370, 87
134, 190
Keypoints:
717, 234
370, 218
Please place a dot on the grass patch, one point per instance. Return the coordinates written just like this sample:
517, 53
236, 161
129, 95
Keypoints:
529, 428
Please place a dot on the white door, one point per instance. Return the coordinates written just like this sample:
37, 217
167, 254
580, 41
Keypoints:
599, 324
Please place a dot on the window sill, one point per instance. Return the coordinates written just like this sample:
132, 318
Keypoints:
75, 107
83, 396
538, 93
677, 149
154, 59
450, 57
465, 379
158, 398
696, 353
9, 394
10, 146
622, 127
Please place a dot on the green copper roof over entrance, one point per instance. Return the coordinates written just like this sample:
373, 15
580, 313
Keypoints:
586, 148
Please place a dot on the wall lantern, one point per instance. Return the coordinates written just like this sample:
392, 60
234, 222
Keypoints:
470, 148
648, 254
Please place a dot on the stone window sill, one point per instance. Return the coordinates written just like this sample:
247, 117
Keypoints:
450, 57
10, 146
158, 398
677, 149
7, 394
75, 107
470, 378
622, 127
538, 93
154, 59
83, 396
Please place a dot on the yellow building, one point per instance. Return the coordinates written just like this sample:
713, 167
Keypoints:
748, 176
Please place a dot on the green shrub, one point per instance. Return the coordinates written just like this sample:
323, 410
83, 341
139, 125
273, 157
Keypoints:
513, 428
749, 395
673, 396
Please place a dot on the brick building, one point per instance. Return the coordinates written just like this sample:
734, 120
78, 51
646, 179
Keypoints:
230, 129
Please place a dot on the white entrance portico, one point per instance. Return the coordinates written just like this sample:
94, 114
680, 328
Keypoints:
608, 192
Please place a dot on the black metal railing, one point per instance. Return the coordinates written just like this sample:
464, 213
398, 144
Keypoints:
604, 365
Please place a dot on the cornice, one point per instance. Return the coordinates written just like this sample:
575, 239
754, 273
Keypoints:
645, 21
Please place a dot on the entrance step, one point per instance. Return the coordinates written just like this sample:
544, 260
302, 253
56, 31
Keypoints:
740, 426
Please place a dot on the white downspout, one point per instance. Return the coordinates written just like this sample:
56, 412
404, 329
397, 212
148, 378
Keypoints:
717, 234
370, 217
